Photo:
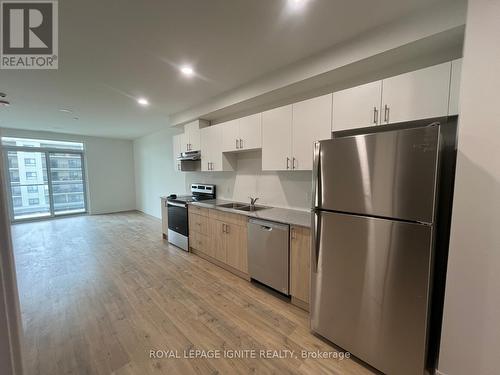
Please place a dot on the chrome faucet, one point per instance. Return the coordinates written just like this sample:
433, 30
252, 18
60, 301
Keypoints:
252, 201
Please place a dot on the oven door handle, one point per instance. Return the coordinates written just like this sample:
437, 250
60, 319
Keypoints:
176, 204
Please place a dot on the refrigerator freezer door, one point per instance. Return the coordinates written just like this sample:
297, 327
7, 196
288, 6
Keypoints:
370, 288
390, 174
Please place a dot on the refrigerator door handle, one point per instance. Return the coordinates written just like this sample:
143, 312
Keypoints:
315, 239
316, 175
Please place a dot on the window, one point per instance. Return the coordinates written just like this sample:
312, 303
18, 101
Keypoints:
60, 199
31, 175
14, 176
17, 201
76, 198
75, 175
74, 163
53, 181
13, 162
16, 191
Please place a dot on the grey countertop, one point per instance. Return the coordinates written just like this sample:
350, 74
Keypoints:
281, 215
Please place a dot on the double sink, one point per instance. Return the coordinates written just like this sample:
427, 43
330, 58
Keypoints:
242, 207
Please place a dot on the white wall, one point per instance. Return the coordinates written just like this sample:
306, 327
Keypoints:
156, 177
471, 328
109, 166
278, 189
154, 171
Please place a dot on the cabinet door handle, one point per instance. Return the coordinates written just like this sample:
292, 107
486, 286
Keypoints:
236, 142
227, 228
375, 115
293, 163
241, 143
293, 233
287, 163
386, 113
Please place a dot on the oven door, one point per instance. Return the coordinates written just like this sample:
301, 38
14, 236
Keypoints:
178, 218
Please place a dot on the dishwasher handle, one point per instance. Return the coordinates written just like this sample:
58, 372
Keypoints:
269, 225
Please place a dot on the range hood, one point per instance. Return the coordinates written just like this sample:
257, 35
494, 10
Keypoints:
189, 156
190, 161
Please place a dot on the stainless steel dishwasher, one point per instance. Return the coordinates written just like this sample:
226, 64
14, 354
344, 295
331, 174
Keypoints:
268, 253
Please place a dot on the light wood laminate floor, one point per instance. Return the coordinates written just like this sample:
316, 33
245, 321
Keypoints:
99, 292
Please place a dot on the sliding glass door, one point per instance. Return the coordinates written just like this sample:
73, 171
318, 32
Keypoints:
67, 183
44, 182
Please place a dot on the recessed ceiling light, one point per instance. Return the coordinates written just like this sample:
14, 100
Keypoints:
65, 110
143, 101
4, 103
187, 70
297, 4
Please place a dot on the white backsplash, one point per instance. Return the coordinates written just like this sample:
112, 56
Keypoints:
278, 189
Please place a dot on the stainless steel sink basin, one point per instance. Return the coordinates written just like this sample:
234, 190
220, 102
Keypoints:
233, 205
252, 208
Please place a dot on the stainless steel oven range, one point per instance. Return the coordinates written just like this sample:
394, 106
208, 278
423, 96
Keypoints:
178, 228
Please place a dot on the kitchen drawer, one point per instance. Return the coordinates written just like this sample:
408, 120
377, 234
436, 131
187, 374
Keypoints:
228, 217
198, 210
199, 242
198, 223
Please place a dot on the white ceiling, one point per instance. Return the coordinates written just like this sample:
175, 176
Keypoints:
114, 51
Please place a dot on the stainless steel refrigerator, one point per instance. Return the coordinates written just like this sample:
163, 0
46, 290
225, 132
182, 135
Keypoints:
375, 206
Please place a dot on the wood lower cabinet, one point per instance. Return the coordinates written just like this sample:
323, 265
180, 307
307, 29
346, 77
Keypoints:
236, 247
164, 217
217, 240
300, 265
220, 236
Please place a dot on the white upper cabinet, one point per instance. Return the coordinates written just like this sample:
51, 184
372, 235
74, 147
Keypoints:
277, 139
456, 70
416, 95
312, 121
192, 135
250, 132
177, 142
212, 158
287, 134
357, 107
230, 135
243, 134
206, 147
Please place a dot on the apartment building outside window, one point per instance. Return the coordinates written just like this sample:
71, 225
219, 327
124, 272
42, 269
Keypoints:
46, 177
